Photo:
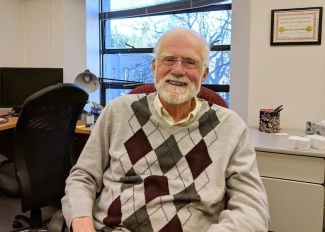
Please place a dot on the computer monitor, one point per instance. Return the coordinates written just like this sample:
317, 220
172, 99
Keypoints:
17, 84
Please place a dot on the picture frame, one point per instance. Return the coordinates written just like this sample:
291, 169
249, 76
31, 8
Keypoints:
296, 26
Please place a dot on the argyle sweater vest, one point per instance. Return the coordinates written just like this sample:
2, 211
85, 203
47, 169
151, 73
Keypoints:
159, 177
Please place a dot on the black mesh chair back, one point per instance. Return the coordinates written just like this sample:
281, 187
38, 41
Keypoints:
43, 145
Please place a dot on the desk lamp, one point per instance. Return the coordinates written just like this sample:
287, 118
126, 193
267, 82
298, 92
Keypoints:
88, 81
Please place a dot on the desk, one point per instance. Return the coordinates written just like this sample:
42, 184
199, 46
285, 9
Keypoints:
7, 132
294, 182
86, 130
81, 137
10, 124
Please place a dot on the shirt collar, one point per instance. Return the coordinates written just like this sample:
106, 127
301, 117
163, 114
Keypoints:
165, 115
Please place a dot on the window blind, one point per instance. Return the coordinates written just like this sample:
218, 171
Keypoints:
175, 7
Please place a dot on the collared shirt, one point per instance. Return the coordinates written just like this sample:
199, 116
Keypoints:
196, 105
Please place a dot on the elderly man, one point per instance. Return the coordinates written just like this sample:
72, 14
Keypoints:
164, 161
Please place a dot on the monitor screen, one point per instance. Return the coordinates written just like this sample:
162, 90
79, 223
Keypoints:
17, 84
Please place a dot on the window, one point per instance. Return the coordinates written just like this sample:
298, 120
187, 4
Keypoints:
129, 35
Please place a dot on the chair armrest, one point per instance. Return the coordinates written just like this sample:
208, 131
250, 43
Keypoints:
57, 223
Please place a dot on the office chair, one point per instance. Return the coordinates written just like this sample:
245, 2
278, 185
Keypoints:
8, 184
205, 93
43, 147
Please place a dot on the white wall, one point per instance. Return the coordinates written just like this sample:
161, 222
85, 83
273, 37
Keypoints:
60, 33
51, 33
32, 33
264, 76
12, 33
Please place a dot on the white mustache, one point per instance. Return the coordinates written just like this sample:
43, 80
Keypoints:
171, 77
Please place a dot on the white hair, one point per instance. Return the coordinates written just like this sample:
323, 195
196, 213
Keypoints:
206, 48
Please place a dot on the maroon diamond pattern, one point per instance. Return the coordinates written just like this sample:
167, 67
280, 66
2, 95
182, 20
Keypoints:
137, 146
173, 225
114, 213
155, 186
198, 159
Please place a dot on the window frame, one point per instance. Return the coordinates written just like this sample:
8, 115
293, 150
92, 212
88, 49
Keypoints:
115, 84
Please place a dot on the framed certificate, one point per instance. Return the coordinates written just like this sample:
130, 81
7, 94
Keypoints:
297, 26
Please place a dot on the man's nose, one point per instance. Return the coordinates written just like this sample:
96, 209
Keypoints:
178, 69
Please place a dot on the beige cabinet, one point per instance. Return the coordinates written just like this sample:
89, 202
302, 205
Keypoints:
294, 182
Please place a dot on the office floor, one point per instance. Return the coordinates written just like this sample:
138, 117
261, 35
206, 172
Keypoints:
10, 207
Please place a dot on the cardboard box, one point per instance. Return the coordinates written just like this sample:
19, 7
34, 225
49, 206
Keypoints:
315, 128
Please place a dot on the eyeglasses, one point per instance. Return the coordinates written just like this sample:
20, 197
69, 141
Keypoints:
187, 63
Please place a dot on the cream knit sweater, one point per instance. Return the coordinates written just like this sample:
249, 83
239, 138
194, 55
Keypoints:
157, 177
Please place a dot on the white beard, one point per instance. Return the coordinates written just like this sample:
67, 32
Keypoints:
174, 94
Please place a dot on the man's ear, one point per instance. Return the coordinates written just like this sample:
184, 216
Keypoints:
153, 65
205, 74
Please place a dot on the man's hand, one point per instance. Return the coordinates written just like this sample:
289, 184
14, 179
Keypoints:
83, 224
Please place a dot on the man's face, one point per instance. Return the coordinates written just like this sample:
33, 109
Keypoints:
179, 71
